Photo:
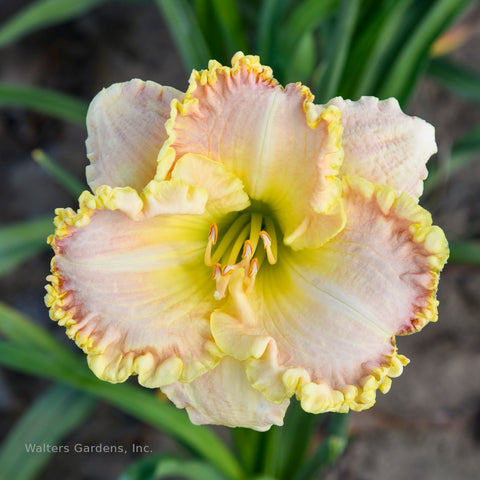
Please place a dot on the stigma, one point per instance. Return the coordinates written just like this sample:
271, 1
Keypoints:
238, 248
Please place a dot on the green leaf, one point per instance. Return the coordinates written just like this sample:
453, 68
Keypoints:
295, 440
156, 467
463, 152
186, 32
304, 19
302, 61
55, 413
247, 444
231, 23
43, 13
338, 48
50, 362
44, 101
374, 57
461, 80
22, 240
412, 59
65, 179
330, 449
465, 252
24, 332
271, 12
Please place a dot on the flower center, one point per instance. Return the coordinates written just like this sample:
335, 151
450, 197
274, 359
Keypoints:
237, 249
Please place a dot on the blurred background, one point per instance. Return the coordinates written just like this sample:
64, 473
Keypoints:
428, 426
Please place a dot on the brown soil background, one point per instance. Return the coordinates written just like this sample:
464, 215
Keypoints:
426, 428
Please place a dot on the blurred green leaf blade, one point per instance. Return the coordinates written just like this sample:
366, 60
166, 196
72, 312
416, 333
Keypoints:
374, 58
465, 252
22, 240
306, 16
338, 48
156, 467
463, 152
303, 61
232, 25
186, 32
461, 80
65, 179
53, 415
413, 57
49, 102
330, 449
141, 403
43, 13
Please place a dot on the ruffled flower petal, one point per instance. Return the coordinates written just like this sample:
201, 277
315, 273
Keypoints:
134, 294
273, 139
223, 396
126, 130
225, 191
321, 323
385, 146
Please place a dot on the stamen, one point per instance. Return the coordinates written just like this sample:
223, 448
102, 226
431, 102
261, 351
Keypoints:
227, 270
270, 227
212, 240
267, 243
222, 284
252, 273
255, 227
237, 246
247, 249
217, 271
229, 256
229, 237
213, 235
253, 270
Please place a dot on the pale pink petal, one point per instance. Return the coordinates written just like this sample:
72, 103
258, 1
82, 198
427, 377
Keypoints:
126, 130
134, 294
321, 323
225, 191
285, 152
223, 396
384, 145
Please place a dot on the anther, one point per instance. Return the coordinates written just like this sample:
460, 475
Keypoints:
213, 234
252, 273
212, 240
247, 249
267, 243
227, 270
217, 271
253, 269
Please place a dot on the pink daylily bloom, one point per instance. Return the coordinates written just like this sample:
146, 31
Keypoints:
243, 245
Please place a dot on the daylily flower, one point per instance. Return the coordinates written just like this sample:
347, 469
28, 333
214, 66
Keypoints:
244, 245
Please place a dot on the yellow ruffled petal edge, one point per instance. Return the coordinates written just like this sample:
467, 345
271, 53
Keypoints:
166, 156
428, 236
151, 372
327, 197
321, 397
